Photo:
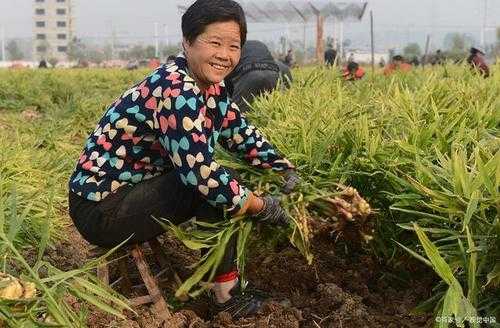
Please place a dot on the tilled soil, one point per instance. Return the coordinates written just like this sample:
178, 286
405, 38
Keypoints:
341, 289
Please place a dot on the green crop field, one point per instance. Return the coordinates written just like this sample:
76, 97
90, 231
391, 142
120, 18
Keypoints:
423, 149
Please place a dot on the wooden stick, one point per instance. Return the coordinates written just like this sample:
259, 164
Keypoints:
160, 306
140, 300
126, 283
162, 260
159, 254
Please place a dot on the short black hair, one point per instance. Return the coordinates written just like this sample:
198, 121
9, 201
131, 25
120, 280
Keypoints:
352, 66
474, 50
205, 12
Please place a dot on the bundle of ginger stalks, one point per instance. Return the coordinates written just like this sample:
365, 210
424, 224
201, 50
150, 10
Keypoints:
341, 213
338, 212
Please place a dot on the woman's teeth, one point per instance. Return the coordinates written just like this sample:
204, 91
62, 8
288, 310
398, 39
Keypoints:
220, 67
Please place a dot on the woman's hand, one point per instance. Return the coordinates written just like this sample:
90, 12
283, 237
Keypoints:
252, 206
291, 181
266, 210
272, 213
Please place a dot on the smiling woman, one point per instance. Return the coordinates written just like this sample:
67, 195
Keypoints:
213, 37
214, 53
152, 152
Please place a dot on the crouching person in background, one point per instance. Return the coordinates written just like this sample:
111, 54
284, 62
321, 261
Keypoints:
256, 73
353, 72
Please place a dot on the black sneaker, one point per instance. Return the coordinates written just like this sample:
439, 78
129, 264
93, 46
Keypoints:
241, 304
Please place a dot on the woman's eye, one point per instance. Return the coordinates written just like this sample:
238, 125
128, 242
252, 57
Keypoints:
235, 47
215, 43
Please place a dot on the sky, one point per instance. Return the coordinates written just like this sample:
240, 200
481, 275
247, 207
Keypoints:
396, 22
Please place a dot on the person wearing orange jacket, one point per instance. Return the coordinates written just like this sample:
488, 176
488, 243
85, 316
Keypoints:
397, 64
353, 72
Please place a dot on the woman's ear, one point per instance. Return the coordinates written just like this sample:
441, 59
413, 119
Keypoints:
184, 44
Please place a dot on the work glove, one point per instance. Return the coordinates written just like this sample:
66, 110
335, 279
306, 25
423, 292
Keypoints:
291, 180
272, 213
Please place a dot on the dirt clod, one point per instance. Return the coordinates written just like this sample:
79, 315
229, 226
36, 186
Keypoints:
30, 114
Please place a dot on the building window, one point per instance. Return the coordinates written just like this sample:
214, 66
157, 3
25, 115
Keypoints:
61, 36
40, 24
61, 0
41, 48
62, 48
61, 24
41, 37
40, 1
61, 11
40, 11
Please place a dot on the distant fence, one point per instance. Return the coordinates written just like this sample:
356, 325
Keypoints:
62, 64
18, 64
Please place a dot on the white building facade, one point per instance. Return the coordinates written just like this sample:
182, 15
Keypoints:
52, 29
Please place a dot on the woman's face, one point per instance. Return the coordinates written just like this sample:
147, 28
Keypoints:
214, 53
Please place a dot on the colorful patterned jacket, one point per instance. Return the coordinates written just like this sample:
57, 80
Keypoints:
165, 123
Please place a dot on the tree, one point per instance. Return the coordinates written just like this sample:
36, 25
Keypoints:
76, 50
13, 50
138, 52
150, 52
166, 51
95, 56
83, 52
458, 42
53, 61
412, 50
107, 52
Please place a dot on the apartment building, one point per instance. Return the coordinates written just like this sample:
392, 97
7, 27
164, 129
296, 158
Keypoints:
52, 29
